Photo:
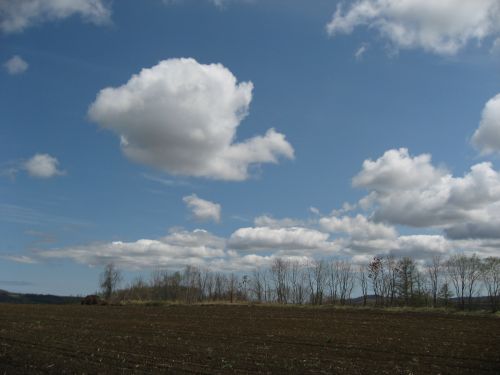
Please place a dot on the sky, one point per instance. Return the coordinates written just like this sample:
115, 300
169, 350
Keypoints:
226, 133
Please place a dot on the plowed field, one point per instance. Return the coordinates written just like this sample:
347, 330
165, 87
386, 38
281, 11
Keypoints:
224, 339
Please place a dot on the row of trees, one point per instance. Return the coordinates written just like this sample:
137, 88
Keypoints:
385, 281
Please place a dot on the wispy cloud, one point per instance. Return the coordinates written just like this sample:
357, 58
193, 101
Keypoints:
167, 182
360, 52
12, 213
19, 259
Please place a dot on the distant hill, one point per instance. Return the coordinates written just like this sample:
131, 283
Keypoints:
8, 297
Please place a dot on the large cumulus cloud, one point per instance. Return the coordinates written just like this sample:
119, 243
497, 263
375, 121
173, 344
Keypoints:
181, 116
410, 190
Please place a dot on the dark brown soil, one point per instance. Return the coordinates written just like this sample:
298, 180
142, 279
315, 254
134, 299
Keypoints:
223, 339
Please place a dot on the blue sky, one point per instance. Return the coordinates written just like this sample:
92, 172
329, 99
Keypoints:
394, 112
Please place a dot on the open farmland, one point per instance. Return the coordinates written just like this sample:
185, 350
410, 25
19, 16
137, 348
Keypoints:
209, 339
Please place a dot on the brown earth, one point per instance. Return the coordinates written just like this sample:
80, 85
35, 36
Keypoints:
225, 339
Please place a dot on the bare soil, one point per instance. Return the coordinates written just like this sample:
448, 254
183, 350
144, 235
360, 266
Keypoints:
240, 339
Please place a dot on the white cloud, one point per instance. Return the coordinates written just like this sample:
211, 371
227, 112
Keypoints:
17, 15
19, 259
203, 209
221, 4
181, 117
495, 48
416, 246
248, 248
16, 65
43, 166
360, 52
314, 210
175, 250
358, 227
397, 170
422, 246
410, 191
487, 137
269, 221
254, 239
346, 207
442, 27
243, 251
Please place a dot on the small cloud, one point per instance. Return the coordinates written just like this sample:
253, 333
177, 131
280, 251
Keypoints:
219, 3
166, 181
314, 210
43, 166
16, 65
203, 209
346, 207
358, 55
495, 48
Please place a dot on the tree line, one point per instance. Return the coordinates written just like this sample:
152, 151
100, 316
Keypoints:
455, 281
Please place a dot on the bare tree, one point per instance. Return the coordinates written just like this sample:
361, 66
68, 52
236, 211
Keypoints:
433, 271
220, 286
243, 288
333, 280
346, 281
297, 281
445, 293
157, 284
389, 275
393, 281
316, 277
363, 283
257, 285
210, 286
456, 267
232, 287
490, 274
473, 276
202, 279
406, 273
279, 273
109, 280
375, 274
464, 273
173, 286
